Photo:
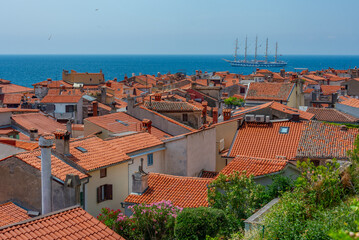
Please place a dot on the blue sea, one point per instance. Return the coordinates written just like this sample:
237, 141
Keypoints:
28, 69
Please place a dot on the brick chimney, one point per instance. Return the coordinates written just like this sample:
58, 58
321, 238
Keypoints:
95, 108
225, 95
215, 115
282, 73
34, 133
49, 80
62, 141
204, 111
226, 114
45, 143
158, 97
147, 125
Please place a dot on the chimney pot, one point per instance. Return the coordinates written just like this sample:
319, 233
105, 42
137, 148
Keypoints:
139, 180
62, 141
226, 114
45, 143
95, 108
33, 134
147, 125
215, 115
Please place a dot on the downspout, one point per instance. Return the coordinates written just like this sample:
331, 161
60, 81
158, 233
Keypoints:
84, 192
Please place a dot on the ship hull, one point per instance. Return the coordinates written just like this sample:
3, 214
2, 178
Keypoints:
256, 64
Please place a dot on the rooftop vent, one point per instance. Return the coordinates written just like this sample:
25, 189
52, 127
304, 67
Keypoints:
249, 118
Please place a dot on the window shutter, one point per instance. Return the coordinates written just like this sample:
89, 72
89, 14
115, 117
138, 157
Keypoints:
108, 191
98, 194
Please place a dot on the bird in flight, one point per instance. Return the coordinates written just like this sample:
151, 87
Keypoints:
96, 9
50, 36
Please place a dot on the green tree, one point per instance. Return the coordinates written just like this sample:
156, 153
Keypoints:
233, 101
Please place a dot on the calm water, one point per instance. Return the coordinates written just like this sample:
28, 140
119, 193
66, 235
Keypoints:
28, 69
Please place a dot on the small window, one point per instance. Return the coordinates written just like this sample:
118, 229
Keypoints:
185, 117
70, 108
103, 172
150, 159
81, 149
104, 193
284, 130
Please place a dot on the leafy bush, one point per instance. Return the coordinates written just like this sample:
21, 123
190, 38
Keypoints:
197, 223
233, 101
152, 221
237, 195
322, 184
280, 184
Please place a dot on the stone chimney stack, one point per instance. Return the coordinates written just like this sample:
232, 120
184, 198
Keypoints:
33, 134
113, 107
69, 126
139, 180
215, 115
282, 73
147, 125
226, 114
204, 111
62, 141
45, 143
49, 80
95, 108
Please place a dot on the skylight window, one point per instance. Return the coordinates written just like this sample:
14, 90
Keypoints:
81, 149
284, 130
122, 122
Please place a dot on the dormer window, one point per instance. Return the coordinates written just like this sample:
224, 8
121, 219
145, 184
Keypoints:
284, 130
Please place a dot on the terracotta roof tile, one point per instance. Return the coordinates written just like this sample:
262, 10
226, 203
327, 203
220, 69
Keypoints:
27, 145
126, 123
38, 121
59, 169
74, 223
99, 153
265, 140
329, 90
208, 174
166, 106
186, 192
61, 99
13, 88
352, 102
11, 213
13, 98
331, 115
254, 166
269, 91
327, 141
134, 142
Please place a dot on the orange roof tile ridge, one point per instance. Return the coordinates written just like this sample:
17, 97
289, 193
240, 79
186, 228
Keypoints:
36, 219
178, 177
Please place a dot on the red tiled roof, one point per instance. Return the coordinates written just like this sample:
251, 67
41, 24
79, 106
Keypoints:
13, 98
208, 174
352, 102
110, 123
332, 115
186, 192
166, 106
269, 91
73, 223
99, 153
276, 106
19, 144
265, 141
328, 89
314, 77
38, 121
13, 88
254, 166
61, 99
59, 168
134, 142
325, 141
11, 213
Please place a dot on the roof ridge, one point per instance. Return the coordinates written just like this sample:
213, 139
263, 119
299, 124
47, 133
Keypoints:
179, 177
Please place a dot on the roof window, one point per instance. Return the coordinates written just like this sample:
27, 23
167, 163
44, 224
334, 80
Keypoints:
81, 149
122, 122
284, 130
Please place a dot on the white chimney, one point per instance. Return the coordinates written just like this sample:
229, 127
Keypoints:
45, 143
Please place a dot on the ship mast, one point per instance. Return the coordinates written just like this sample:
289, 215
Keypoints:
255, 55
235, 50
267, 50
245, 51
276, 51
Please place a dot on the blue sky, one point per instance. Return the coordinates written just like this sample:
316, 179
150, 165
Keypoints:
177, 27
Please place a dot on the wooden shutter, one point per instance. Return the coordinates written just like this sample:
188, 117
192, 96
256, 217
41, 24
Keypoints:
108, 191
99, 194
